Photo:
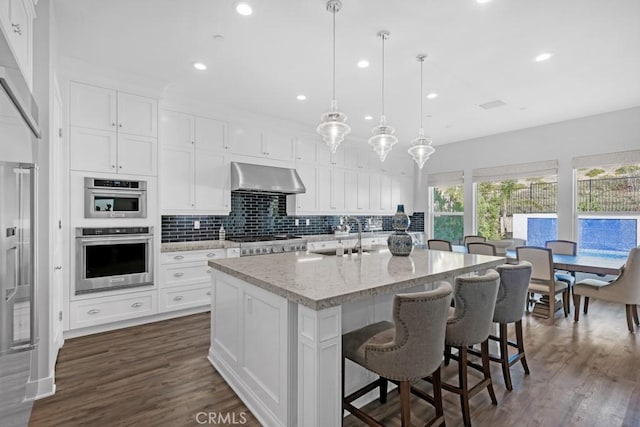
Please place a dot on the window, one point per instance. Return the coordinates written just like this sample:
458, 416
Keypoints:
446, 195
608, 203
518, 201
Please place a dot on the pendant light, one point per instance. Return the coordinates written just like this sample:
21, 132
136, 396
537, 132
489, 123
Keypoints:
333, 128
382, 139
421, 148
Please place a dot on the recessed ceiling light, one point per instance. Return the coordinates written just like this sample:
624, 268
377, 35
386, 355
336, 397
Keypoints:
301, 97
244, 8
368, 117
199, 66
483, 1
543, 57
432, 95
218, 37
363, 63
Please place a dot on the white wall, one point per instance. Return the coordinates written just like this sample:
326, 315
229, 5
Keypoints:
604, 133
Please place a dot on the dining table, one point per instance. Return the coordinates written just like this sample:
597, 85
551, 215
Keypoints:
600, 265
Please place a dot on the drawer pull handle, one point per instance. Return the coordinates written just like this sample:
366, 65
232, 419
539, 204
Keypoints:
209, 271
136, 305
178, 298
178, 257
211, 254
93, 311
178, 274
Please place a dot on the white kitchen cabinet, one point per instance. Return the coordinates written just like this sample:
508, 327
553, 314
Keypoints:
357, 157
363, 192
306, 150
185, 278
402, 192
251, 141
374, 193
386, 206
337, 190
351, 191
307, 202
186, 130
16, 19
112, 132
100, 310
324, 189
325, 157
194, 181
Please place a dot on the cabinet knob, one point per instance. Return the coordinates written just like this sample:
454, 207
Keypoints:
113, 166
136, 305
178, 298
120, 125
209, 293
120, 166
113, 124
93, 311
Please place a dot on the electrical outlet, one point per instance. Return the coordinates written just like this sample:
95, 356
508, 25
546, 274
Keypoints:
296, 222
196, 225
307, 221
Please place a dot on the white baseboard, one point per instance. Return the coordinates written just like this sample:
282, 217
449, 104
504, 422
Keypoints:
44, 387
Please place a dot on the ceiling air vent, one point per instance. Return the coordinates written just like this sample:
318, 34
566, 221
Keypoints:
492, 104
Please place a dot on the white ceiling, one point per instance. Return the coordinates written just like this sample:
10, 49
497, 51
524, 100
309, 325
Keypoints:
477, 53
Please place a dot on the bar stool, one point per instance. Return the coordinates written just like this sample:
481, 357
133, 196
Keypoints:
473, 239
469, 324
439, 245
510, 305
408, 349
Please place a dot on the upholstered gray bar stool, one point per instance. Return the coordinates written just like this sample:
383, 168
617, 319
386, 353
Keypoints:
408, 349
469, 324
510, 306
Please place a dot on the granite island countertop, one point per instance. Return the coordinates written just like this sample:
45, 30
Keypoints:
196, 245
323, 281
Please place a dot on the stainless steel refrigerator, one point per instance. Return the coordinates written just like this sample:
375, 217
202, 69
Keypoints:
18, 325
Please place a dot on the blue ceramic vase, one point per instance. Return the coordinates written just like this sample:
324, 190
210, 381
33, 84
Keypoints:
400, 242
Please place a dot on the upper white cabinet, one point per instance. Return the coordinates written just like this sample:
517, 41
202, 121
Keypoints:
16, 19
112, 131
306, 150
251, 141
325, 157
194, 168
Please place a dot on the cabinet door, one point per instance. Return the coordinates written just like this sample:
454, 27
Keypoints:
397, 192
212, 182
385, 194
93, 150
351, 191
277, 146
305, 150
19, 35
246, 140
210, 135
307, 202
324, 189
363, 191
325, 157
137, 155
374, 192
176, 178
337, 190
92, 107
177, 129
137, 115
357, 157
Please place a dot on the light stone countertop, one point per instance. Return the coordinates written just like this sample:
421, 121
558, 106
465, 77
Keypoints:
328, 237
196, 245
321, 281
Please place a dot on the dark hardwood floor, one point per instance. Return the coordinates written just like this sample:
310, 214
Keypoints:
584, 374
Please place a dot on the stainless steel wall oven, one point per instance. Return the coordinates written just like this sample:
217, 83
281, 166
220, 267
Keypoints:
110, 198
113, 258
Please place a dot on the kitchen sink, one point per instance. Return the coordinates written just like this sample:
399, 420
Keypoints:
329, 252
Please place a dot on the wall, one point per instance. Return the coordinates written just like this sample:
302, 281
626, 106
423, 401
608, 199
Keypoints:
604, 133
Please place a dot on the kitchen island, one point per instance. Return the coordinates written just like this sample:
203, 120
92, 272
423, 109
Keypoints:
277, 322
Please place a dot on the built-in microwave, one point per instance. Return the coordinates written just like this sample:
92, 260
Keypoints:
113, 258
111, 198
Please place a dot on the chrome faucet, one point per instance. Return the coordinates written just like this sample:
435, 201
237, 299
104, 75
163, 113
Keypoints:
358, 247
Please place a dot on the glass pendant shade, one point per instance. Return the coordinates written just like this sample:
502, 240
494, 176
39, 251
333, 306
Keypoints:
333, 128
383, 139
421, 149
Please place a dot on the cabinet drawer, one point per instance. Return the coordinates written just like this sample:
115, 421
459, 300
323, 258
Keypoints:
195, 295
187, 256
97, 311
184, 273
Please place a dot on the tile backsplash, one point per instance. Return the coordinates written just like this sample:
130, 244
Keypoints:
254, 214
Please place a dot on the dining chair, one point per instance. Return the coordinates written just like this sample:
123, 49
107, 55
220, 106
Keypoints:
410, 348
469, 324
473, 238
564, 247
481, 248
625, 289
439, 245
543, 281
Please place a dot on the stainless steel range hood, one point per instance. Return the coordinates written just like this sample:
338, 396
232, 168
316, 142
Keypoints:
265, 179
